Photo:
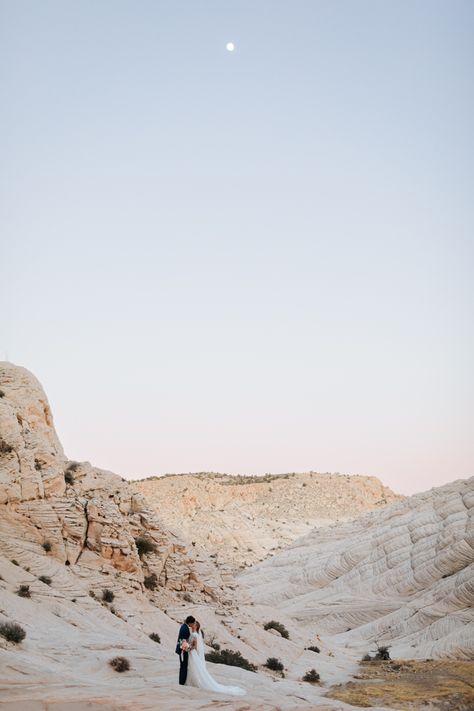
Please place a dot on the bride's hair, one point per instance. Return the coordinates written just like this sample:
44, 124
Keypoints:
198, 628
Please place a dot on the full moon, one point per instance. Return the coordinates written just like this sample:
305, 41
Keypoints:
230, 46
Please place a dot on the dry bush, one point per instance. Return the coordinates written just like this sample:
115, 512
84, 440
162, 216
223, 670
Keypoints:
120, 664
144, 546
274, 664
233, 659
312, 676
12, 632
274, 625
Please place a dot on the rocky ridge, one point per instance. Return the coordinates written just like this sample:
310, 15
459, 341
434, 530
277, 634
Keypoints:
401, 577
242, 520
84, 515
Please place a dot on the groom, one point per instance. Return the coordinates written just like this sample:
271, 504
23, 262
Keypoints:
184, 634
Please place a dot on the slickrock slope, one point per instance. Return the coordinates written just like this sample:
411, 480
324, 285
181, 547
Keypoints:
68, 534
242, 520
402, 576
84, 515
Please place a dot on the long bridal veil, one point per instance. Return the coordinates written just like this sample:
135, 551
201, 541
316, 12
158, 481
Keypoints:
199, 676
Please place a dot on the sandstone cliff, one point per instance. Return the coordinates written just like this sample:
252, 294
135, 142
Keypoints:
84, 515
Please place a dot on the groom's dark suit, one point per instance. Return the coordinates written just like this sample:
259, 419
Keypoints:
184, 633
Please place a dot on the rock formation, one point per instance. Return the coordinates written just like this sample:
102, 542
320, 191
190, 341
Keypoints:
83, 514
242, 520
402, 577
88, 570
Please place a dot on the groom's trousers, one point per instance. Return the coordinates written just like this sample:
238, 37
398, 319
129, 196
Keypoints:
183, 667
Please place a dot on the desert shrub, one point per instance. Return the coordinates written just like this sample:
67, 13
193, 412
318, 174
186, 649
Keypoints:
150, 581
72, 467
155, 637
366, 658
144, 546
45, 579
233, 659
314, 649
215, 645
91, 593
187, 597
12, 632
107, 595
15, 562
120, 664
24, 591
5, 448
38, 465
2, 394
69, 477
273, 625
382, 654
312, 676
274, 664
47, 546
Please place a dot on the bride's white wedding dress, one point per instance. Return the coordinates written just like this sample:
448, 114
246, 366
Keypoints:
198, 674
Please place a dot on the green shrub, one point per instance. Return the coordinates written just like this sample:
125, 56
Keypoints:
312, 676
5, 448
382, 654
274, 664
12, 632
107, 595
150, 581
120, 664
314, 649
24, 591
273, 625
155, 637
233, 659
144, 546
15, 562
47, 546
45, 579
69, 477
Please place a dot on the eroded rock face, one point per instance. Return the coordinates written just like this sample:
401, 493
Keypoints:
86, 516
402, 577
31, 455
242, 520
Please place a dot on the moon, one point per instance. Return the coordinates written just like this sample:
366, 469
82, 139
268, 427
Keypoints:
230, 46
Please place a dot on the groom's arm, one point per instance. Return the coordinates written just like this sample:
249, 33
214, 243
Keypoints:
184, 632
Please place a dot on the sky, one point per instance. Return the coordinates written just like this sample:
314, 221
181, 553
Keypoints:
247, 262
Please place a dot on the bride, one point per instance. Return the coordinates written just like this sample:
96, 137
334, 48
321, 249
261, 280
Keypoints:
197, 670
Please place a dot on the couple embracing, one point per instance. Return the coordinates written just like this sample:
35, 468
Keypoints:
192, 662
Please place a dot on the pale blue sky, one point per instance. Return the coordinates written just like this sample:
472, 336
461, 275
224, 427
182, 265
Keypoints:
250, 262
